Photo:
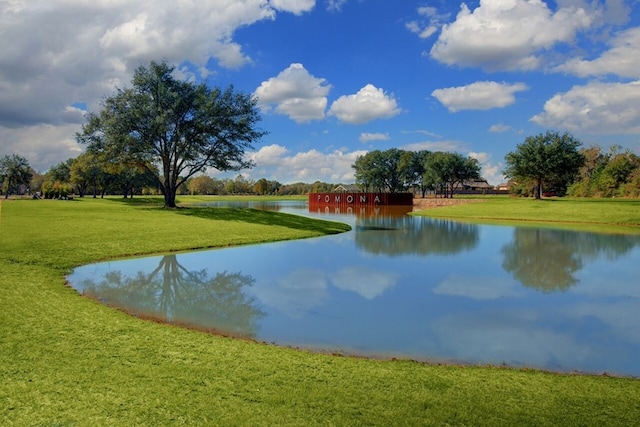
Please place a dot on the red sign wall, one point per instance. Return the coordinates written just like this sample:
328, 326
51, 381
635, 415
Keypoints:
360, 199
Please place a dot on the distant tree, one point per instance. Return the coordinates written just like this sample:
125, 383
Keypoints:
446, 171
14, 172
261, 187
412, 169
85, 170
37, 180
179, 127
202, 184
380, 170
550, 158
619, 169
130, 177
60, 171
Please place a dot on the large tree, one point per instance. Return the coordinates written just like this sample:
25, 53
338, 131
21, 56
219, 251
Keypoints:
380, 170
14, 172
550, 158
174, 129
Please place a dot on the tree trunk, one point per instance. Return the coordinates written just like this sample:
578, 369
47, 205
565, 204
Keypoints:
169, 197
539, 189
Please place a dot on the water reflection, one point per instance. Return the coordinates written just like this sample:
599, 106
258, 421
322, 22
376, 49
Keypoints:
411, 236
547, 259
173, 294
541, 259
405, 286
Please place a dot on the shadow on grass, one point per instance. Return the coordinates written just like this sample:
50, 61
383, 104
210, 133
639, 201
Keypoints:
255, 216
151, 201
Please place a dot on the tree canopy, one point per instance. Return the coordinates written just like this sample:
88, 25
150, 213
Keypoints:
550, 159
396, 170
14, 172
447, 171
173, 129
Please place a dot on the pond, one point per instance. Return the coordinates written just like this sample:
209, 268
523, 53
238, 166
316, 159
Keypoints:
404, 287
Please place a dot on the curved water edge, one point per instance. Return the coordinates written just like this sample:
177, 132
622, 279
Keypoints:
404, 287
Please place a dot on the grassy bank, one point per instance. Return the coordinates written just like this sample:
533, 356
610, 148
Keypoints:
68, 361
598, 215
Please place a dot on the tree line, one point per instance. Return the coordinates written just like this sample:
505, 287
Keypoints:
87, 175
555, 163
546, 164
162, 134
397, 170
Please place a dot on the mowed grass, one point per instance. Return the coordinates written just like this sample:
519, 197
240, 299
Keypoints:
66, 360
597, 215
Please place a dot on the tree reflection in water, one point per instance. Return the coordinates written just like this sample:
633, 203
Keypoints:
173, 294
547, 259
419, 236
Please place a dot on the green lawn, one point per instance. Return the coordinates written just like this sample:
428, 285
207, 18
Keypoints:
599, 215
66, 360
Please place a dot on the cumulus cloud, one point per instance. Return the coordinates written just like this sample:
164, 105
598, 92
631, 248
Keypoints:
622, 59
507, 35
370, 103
57, 53
295, 93
478, 96
276, 162
366, 137
597, 107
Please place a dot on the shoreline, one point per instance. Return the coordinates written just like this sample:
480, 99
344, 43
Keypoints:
420, 204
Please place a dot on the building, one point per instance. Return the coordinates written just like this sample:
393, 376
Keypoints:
347, 188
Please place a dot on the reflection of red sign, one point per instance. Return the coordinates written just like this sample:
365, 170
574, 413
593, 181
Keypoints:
360, 199
362, 211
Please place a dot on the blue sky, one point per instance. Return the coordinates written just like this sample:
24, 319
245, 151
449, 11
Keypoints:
335, 78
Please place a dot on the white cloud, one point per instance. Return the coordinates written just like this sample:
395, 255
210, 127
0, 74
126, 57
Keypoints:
275, 162
56, 53
296, 94
366, 137
598, 108
35, 144
507, 35
296, 7
478, 96
429, 23
623, 59
370, 103
490, 171
335, 5
499, 128
434, 146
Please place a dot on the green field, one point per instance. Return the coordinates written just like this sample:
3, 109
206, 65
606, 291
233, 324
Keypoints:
66, 360
597, 215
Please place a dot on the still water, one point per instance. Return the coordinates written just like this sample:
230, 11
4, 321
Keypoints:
405, 287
